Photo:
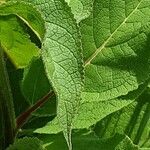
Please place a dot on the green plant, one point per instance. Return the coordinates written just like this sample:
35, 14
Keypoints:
74, 71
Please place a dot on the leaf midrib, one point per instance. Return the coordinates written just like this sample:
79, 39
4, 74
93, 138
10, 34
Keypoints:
88, 61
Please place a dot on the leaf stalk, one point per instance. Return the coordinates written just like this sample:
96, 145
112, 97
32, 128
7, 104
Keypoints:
23, 118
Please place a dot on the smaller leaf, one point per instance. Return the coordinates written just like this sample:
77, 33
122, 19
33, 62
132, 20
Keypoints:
16, 41
27, 144
27, 13
35, 85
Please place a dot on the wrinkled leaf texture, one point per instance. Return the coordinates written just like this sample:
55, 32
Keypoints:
115, 40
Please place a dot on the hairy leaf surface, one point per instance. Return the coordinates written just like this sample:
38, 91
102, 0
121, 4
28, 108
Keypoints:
80, 8
62, 59
90, 112
115, 39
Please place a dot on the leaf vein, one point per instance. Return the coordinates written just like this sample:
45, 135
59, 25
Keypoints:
88, 61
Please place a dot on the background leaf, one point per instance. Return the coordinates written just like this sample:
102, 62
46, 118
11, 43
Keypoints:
15, 77
16, 41
27, 13
27, 143
133, 120
85, 140
35, 85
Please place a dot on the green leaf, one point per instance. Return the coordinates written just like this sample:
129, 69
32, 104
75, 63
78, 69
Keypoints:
80, 8
124, 144
35, 85
15, 77
133, 120
27, 13
115, 47
35, 122
27, 143
16, 41
92, 109
62, 59
86, 140
99, 109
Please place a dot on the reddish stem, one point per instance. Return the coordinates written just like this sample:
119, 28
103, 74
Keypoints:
22, 119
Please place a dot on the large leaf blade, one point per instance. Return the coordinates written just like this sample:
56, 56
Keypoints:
62, 59
92, 110
115, 47
65, 71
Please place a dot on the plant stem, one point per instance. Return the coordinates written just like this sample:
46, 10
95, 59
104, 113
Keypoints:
7, 114
22, 119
